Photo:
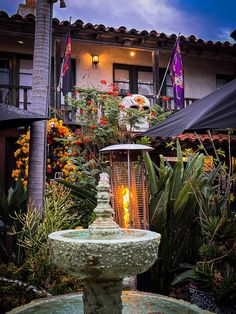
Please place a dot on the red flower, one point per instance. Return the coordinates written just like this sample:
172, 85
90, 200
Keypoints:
49, 169
129, 94
103, 82
165, 98
90, 102
86, 139
104, 121
110, 92
152, 114
115, 89
121, 106
93, 126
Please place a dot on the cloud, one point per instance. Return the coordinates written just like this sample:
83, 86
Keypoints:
223, 34
162, 15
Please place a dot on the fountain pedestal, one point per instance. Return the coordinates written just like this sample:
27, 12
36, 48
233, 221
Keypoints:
102, 297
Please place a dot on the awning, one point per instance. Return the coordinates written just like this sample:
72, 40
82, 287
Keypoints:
12, 117
214, 111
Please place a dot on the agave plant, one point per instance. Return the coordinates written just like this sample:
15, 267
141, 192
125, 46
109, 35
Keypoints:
174, 210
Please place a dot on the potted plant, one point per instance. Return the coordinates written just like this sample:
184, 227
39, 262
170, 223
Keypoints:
215, 273
213, 278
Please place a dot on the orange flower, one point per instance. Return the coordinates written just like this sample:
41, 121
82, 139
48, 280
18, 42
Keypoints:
104, 121
77, 142
140, 100
104, 97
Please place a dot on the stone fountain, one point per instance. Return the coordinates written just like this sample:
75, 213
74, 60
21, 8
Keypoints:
101, 256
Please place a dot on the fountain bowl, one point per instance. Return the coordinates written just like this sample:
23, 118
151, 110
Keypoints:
133, 302
104, 257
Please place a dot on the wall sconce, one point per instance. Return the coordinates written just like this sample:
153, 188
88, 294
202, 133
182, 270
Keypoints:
95, 61
129, 184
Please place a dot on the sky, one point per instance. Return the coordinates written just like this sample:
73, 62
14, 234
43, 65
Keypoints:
206, 19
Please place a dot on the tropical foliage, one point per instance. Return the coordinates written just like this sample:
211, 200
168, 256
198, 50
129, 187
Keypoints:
36, 271
174, 213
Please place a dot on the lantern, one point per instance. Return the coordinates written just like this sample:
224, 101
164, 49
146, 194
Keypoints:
129, 184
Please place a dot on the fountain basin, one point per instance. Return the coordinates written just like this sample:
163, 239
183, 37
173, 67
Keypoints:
104, 257
133, 302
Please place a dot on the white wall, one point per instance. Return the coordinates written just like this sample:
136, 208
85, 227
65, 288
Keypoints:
86, 75
199, 73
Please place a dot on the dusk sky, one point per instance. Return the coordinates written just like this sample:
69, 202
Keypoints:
206, 19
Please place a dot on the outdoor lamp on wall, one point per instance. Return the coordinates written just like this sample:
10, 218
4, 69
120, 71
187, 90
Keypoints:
129, 184
95, 60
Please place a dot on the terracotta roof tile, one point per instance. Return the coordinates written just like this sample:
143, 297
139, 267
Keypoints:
121, 30
205, 137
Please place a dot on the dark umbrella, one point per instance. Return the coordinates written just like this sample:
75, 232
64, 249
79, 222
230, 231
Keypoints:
214, 111
11, 117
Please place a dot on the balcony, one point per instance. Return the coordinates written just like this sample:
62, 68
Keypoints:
20, 96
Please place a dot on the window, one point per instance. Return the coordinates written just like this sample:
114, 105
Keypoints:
139, 80
167, 89
133, 79
4, 79
15, 79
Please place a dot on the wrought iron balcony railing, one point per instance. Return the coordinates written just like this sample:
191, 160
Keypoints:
20, 96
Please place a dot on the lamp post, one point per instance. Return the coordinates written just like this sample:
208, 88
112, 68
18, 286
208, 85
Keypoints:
129, 184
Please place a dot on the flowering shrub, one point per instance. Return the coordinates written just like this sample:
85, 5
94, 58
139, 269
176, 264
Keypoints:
58, 151
102, 119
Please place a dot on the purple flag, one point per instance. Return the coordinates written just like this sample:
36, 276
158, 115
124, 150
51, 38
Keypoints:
176, 72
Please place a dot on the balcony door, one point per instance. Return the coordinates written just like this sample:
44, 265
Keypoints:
139, 80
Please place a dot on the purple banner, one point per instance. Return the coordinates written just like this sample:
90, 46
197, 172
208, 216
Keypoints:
176, 72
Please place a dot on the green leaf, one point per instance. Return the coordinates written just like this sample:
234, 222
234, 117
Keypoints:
185, 275
152, 178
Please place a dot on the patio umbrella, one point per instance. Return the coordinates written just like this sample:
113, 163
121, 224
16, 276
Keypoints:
214, 111
11, 117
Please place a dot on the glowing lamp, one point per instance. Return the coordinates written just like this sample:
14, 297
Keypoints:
129, 184
95, 60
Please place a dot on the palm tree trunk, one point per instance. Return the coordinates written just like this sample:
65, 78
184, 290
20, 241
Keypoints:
40, 101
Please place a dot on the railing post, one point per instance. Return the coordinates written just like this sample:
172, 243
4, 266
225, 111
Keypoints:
156, 76
25, 98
